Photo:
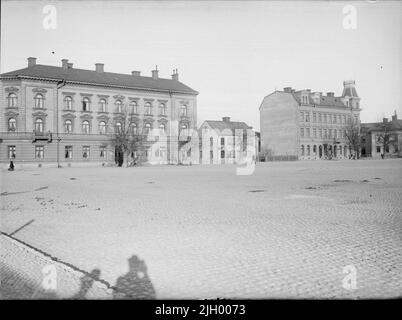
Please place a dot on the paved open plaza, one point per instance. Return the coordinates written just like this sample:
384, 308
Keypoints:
289, 230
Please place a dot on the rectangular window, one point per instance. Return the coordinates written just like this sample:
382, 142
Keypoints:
320, 133
11, 152
319, 117
307, 117
301, 116
302, 132
68, 152
330, 133
378, 149
222, 141
102, 152
335, 134
314, 132
325, 133
308, 132
39, 152
85, 152
314, 117
334, 119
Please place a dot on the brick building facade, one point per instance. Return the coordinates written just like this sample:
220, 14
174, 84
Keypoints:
62, 114
308, 125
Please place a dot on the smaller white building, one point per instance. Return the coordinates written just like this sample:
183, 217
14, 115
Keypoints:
227, 142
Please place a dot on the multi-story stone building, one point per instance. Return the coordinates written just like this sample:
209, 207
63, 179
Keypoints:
227, 142
373, 134
308, 125
63, 114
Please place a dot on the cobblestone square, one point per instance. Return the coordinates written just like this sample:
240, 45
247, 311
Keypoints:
286, 231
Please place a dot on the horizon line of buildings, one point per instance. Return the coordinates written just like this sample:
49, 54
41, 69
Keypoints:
63, 114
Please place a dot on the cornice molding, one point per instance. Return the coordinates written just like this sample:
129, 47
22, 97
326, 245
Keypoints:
11, 89
39, 90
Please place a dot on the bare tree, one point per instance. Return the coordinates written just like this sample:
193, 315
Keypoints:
385, 138
353, 137
127, 138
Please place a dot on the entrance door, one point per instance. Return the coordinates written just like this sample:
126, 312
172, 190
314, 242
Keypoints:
118, 155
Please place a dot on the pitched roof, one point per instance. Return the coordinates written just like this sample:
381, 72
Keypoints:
324, 100
100, 78
350, 92
222, 125
379, 126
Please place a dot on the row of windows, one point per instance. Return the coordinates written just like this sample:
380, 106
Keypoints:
68, 152
86, 105
325, 118
308, 151
86, 127
322, 133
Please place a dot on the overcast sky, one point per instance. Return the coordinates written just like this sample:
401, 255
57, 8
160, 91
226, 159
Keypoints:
233, 53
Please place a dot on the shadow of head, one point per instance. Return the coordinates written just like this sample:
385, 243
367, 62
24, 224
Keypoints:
135, 284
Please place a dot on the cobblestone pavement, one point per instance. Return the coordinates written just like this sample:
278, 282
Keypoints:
287, 231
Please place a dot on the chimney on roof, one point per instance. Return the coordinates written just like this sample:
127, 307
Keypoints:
155, 73
69, 65
384, 120
64, 63
136, 73
287, 89
175, 75
330, 94
31, 61
394, 117
226, 119
99, 67
308, 90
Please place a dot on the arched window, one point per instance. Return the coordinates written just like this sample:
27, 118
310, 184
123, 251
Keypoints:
183, 110
39, 101
133, 128
85, 127
314, 150
12, 100
119, 106
12, 124
68, 103
162, 109
68, 126
133, 107
102, 105
86, 103
148, 108
118, 126
302, 150
308, 150
102, 127
162, 129
39, 125
147, 128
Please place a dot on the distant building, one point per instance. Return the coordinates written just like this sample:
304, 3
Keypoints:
62, 113
227, 142
307, 125
371, 144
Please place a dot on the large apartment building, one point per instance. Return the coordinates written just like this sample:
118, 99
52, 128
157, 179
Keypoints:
66, 115
308, 125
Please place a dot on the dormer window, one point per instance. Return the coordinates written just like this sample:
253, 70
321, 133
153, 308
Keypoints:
305, 99
12, 100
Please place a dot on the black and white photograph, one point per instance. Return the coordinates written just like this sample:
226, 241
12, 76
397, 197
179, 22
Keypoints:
201, 150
